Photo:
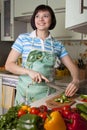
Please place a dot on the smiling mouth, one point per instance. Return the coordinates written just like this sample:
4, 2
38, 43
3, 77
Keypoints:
41, 24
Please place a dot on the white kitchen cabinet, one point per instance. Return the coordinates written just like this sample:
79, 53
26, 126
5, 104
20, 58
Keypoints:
10, 28
60, 32
7, 96
59, 9
57, 5
26, 7
76, 18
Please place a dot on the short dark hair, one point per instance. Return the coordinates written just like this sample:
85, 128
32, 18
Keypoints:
44, 8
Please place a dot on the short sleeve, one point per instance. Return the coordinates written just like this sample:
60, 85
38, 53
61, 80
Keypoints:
60, 49
18, 44
63, 51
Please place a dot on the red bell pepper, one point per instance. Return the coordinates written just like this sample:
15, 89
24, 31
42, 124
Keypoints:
76, 122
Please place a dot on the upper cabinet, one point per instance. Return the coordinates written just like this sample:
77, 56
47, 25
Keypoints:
10, 28
76, 15
60, 32
56, 5
26, 7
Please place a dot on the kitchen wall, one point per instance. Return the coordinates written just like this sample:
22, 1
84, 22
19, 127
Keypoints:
77, 49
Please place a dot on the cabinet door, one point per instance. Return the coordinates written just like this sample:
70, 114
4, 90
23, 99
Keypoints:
6, 20
60, 32
10, 28
57, 5
26, 7
59, 9
74, 17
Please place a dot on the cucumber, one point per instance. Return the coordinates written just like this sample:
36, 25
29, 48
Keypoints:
84, 115
83, 96
81, 107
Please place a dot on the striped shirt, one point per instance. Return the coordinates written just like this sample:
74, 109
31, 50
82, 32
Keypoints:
27, 42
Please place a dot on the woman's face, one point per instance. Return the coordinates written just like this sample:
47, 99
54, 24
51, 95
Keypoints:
43, 20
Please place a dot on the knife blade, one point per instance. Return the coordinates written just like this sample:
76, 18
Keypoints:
53, 85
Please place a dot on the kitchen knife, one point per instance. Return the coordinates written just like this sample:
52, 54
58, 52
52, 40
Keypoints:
53, 85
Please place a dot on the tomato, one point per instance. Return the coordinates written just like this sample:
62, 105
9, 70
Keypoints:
66, 113
66, 107
57, 109
84, 100
74, 109
34, 110
21, 112
43, 115
43, 108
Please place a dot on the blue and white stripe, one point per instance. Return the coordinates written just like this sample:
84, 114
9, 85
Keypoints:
25, 43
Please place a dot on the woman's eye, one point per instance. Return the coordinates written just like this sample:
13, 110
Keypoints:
36, 16
46, 16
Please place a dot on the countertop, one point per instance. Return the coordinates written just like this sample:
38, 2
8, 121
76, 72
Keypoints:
62, 83
9, 79
43, 100
8, 74
66, 80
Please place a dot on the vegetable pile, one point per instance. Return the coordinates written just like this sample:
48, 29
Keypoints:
24, 117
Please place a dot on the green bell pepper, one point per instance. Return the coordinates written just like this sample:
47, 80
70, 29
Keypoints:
29, 122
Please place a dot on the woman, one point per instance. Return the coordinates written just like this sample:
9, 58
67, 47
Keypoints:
39, 51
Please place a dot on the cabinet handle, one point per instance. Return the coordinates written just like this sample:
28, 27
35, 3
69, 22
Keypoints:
82, 6
27, 13
59, 10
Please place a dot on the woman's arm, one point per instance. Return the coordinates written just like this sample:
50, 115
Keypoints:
74, 84
12, 67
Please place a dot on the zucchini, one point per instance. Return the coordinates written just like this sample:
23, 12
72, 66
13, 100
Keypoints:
81, 107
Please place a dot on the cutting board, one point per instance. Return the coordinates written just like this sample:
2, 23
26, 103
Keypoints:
51, 103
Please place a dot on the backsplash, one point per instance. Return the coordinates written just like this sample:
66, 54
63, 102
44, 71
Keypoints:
77, 49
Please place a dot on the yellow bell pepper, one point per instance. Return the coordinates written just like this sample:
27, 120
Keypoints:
54, 122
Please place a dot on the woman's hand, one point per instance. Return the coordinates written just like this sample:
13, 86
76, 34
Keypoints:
37, 77
72, 88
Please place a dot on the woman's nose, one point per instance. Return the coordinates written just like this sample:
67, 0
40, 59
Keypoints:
41, 18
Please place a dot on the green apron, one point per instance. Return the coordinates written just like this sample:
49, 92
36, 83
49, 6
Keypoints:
42, 62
